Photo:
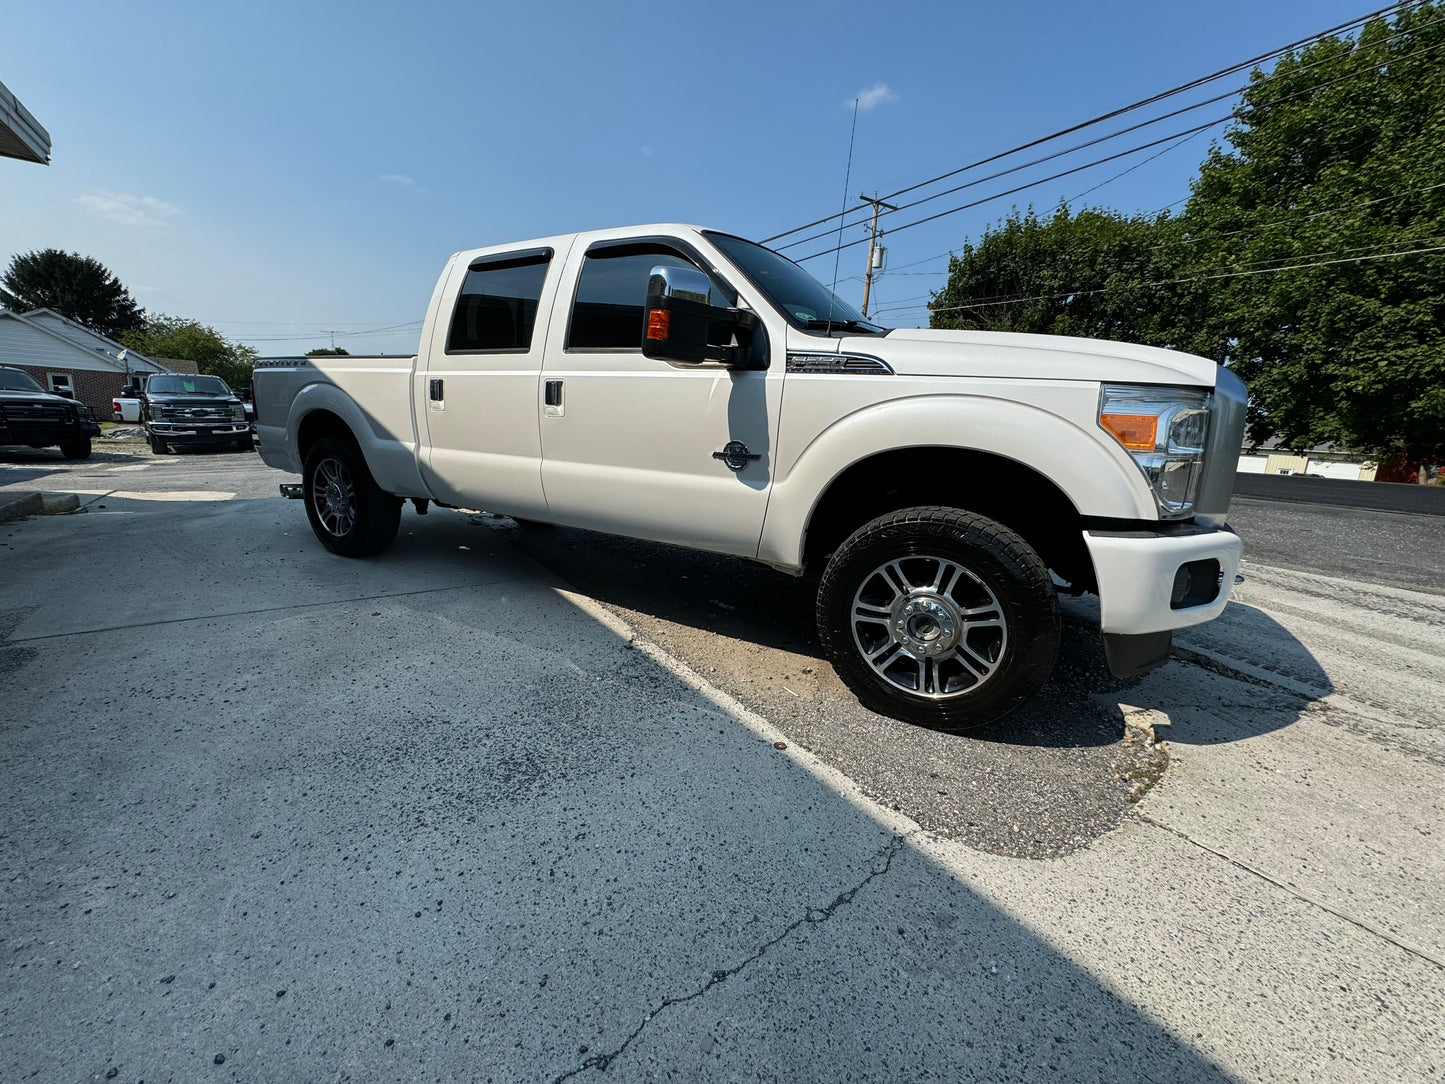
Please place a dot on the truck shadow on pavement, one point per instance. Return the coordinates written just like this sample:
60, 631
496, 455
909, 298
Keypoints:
757, 605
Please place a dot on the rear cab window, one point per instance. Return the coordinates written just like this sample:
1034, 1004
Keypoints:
496, 309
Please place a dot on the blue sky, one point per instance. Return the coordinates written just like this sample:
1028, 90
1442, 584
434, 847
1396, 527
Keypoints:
282, 170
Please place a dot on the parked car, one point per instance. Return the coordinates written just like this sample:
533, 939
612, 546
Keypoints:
185, 409
32, 416
687, 386
126, 406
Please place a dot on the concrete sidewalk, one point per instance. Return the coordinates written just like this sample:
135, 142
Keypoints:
430, 816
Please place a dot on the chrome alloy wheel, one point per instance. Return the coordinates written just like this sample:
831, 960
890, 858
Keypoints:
334, 497
929, 627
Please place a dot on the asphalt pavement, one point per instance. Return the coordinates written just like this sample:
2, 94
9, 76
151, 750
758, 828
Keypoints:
1365, 545
473, 809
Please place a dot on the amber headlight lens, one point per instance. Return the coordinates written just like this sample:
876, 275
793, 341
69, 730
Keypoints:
1165, 430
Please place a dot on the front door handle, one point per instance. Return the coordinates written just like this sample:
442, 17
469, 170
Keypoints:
552, 393
434, 392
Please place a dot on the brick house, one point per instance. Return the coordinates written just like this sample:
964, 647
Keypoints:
64, 356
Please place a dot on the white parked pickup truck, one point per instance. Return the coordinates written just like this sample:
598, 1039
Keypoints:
679, 384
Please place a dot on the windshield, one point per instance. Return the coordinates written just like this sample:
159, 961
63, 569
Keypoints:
806, 302
186, 385
15, 380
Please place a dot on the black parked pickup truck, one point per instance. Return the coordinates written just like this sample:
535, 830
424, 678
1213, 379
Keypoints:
179, 409
31, 415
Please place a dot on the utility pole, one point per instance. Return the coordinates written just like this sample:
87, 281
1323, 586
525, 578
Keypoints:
872, 243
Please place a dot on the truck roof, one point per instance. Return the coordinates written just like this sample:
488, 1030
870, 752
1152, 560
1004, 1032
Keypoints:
563, 241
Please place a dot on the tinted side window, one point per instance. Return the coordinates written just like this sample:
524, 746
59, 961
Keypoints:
611, 294
498, 305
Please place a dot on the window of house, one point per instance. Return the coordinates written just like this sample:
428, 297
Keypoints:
608, 312
60, 383
497, 306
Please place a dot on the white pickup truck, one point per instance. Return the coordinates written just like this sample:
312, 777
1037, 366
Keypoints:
679, 384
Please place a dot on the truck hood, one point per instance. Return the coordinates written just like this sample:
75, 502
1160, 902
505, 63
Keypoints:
36, 397
937, 353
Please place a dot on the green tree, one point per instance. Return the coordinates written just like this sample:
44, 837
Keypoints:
73, 285
1336, 174
320, 351
1096, 273
174, 337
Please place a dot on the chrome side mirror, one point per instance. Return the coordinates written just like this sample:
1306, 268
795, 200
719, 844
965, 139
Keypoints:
683, 283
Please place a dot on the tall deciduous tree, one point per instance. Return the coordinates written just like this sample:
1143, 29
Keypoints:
1096, 273
1336, 175
175, 337
75, 286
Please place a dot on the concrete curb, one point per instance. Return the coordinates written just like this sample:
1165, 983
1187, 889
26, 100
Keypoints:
20, 505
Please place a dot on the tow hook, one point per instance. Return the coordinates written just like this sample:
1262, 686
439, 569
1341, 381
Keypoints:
421, 504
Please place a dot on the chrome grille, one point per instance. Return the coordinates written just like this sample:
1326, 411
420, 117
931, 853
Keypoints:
1226, 434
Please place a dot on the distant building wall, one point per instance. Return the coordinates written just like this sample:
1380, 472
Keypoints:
1352, 472
1252, 464
1286, 464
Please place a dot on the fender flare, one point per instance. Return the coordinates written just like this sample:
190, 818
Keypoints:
392, 462
1099, 479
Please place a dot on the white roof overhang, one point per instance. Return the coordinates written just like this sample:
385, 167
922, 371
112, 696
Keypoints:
21, 135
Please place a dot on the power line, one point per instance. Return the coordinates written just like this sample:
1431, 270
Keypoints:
1212, 236
991, 300
1113, 135
1020, 188
1193, 84
1307, 218
1201, 278
342, 334
1236, 114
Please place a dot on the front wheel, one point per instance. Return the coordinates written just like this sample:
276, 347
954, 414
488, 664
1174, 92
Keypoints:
350, 513
939, 617
158, 446
76, 449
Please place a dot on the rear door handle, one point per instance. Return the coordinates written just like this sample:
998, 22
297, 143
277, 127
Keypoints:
552, 393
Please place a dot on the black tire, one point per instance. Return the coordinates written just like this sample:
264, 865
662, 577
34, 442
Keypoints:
245, 444
350, 513
158, 446
76, 449
951, 659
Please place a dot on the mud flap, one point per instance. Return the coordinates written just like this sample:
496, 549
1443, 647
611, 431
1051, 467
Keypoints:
1130, 656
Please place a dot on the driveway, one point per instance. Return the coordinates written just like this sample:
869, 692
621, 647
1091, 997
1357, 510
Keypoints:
446, 814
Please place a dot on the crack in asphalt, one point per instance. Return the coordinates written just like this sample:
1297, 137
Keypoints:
814, 916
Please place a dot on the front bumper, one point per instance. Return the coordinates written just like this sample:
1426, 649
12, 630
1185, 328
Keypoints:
1136, 572
193, 433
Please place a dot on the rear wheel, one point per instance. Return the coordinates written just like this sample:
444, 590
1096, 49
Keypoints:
939, 617
76, 449
350, 513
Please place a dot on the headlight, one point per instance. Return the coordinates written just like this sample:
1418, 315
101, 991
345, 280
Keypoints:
1165, 430
238, 413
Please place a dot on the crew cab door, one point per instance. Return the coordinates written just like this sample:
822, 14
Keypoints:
478, 398
637, 446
